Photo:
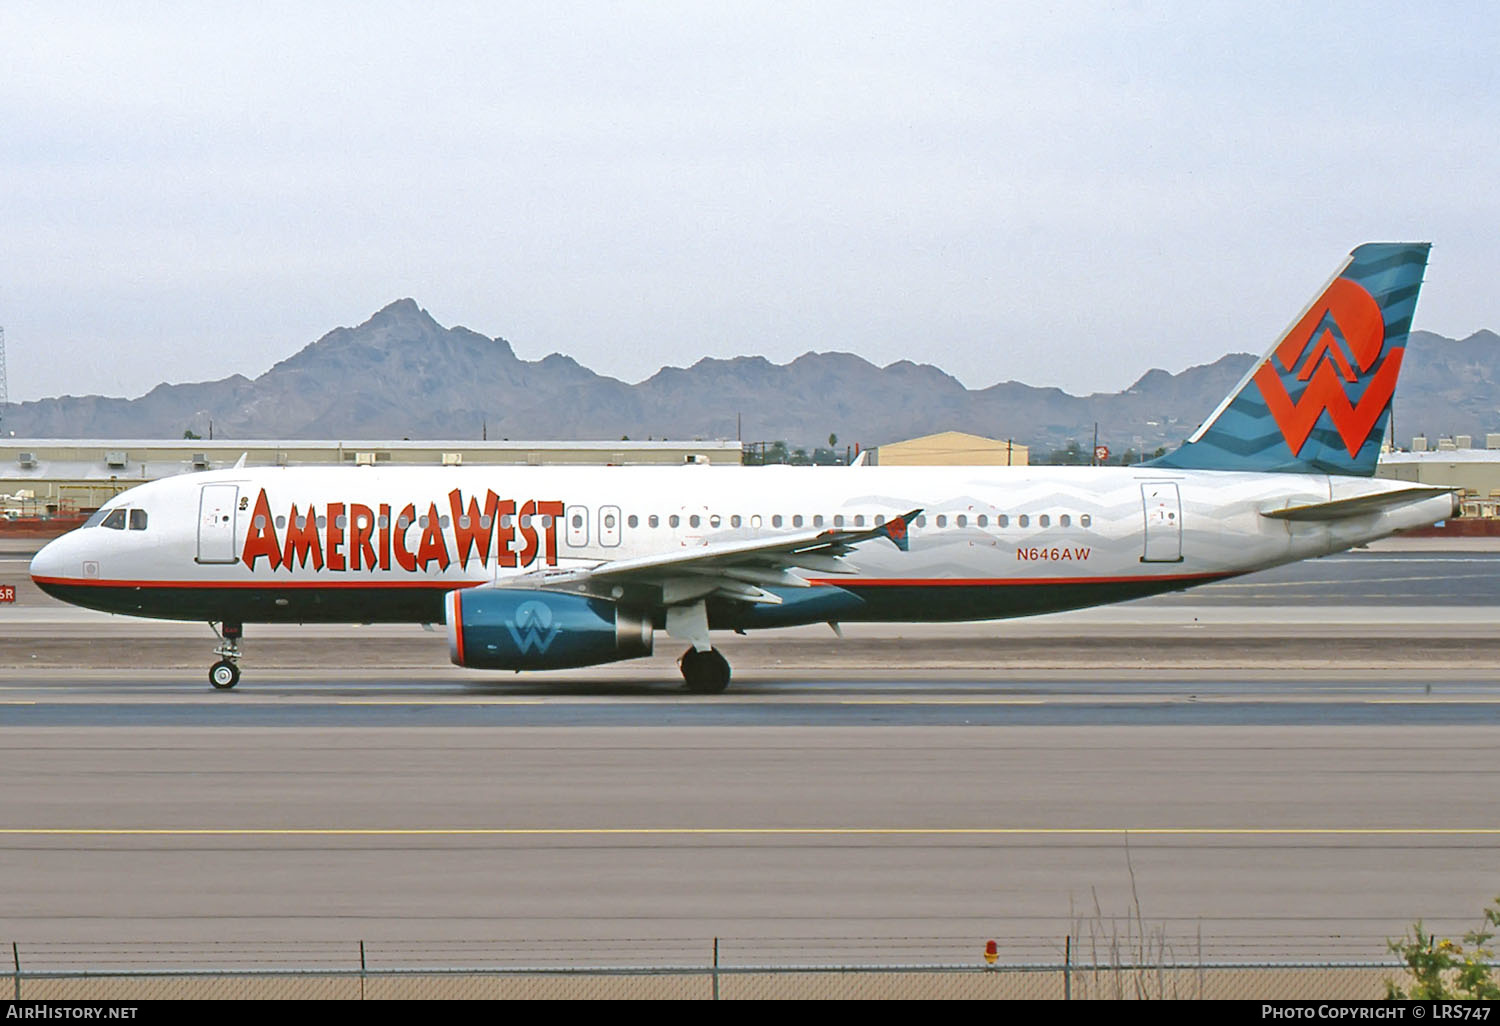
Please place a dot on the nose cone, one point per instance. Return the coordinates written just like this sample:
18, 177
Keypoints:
51, 564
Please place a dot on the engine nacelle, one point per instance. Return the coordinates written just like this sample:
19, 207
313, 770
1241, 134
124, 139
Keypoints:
523, 629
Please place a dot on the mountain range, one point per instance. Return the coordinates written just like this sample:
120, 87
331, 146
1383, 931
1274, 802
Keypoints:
402, 375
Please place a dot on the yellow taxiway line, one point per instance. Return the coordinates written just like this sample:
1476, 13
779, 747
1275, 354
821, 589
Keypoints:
751, 831
942, 701
439, 700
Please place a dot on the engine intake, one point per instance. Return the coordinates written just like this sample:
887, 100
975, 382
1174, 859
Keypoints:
523, 629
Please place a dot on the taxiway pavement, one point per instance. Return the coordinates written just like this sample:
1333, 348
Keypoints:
1293, 766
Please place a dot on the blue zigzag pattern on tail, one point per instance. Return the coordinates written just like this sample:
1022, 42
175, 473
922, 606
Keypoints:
1246, 435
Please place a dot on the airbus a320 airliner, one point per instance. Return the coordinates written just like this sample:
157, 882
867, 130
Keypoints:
536, 568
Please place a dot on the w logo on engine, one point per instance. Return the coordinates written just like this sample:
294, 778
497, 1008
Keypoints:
533, 627
1338, 342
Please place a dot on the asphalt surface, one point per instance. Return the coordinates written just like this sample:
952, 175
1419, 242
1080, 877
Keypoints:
1292, 766
900, 843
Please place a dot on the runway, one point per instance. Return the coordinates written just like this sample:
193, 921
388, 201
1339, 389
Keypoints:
1309, 842
365, 702
1242, 776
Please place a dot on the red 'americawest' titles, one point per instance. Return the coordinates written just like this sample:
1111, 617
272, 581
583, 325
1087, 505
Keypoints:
353, 536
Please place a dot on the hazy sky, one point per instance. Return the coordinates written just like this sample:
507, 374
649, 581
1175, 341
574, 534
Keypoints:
1066, 194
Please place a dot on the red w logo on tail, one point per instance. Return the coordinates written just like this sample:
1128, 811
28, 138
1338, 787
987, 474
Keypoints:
1317, 358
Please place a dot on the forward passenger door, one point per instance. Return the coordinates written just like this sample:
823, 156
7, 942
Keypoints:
217, 510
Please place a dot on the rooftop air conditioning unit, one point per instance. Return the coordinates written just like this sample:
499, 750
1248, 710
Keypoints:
696, 457
27, 459
453, 459
200, 460
364, 459
116, 458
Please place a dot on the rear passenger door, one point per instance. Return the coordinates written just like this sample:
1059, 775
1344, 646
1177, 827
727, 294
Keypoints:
1163, 508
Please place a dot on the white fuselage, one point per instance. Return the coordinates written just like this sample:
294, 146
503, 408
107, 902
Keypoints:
367, 543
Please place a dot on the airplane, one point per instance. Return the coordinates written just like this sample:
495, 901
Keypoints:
535, 568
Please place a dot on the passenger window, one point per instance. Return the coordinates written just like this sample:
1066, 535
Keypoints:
982, 521
879, 519
1045, 520
922, 521
673, 520
776, 520
838, 520
1025, 520
755, 521
797, 520
694, 520
116, 519
859, 520
734, 521
137, 520
817, 520
1064, 521
1003, 520
942, 520
633, 520
1085, 520
653, 521
713, 521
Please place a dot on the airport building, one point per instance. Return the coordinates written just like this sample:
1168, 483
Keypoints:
44, 477
951, 448
1454, 463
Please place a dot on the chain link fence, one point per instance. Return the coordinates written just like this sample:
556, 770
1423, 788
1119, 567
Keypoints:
1326, 981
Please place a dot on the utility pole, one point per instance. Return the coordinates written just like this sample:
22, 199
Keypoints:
4, 389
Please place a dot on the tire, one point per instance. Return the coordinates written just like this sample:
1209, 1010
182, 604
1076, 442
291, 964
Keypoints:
223, 675
705, 673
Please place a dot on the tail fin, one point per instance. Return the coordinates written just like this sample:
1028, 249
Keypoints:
1320, 400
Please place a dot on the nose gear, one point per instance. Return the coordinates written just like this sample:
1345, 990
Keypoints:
225, 673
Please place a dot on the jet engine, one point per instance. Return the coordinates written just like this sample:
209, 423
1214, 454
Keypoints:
525, 629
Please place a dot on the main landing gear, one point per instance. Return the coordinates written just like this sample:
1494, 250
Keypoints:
704, 668
706, 673
225, 673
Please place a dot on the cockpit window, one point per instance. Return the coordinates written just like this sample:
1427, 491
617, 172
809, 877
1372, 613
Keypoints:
97, 518
137, 520
116, 519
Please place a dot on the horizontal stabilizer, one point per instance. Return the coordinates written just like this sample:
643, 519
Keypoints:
1359, 505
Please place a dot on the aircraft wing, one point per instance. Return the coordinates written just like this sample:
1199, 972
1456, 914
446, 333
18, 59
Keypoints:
735, 569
